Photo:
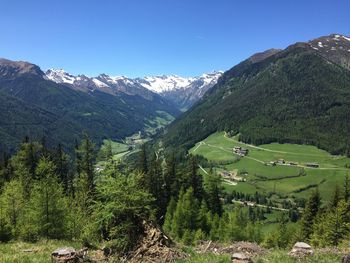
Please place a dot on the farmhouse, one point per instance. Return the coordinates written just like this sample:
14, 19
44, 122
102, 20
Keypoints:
225, 174
240, 151
313, 165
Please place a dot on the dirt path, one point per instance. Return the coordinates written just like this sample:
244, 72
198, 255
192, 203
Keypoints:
269, 150
199, 145
258, 205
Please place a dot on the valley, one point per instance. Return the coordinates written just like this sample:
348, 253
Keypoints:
281, 171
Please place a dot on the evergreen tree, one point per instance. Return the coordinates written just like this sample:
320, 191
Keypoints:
212, 187
12, 204
335, 198
194, 179
62, 168
109, 151
154, 184
171, 185
85, 162
332, 226
310, 213
24, 164
143, 160
169, 216
204, 218
119, 211
47, 204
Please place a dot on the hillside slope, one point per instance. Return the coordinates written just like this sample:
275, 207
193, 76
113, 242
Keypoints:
299, 95
35, 106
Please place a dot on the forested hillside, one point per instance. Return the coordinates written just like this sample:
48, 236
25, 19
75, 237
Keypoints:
36, 107
299, 95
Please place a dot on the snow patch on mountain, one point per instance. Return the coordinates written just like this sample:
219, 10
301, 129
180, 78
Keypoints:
182, 91
157, 84
60, 76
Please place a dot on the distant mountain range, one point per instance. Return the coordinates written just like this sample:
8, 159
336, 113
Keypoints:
60, 107
300, 94
183, 92
33, 105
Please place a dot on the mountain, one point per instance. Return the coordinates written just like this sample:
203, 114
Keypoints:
183, 92
31, 104
300, 94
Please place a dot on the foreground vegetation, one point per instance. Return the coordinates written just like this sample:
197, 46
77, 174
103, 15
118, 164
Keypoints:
45, 194
274, 256
38, 252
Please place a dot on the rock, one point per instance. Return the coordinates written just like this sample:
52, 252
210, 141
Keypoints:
301, 249
346, 259
64, 255
248, 248
240, 258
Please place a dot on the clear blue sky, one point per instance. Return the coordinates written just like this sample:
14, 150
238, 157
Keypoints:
153, 37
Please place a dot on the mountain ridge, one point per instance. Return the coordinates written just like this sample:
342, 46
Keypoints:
299, 95
181, 91
38, 107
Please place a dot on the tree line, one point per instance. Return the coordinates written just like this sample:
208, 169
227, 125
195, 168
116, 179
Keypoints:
45, 193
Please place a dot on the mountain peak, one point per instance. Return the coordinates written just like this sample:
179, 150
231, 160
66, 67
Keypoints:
335, 47
10, 68
257, 57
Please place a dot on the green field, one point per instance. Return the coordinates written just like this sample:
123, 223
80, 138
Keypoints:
286, 180
39, 252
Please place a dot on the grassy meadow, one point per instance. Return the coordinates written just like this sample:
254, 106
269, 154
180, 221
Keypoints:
293, 181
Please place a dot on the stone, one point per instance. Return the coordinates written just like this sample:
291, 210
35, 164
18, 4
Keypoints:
346, 259
301, 249
64, 255
240, 258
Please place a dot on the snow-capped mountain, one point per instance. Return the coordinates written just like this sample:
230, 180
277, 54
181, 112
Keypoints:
335, 48
182, 91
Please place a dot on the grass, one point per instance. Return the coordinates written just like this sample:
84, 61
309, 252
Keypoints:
274, 256
41, 251
284, 179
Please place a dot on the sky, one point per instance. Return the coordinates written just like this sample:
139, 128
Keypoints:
137, 38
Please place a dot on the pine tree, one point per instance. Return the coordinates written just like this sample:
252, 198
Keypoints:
310, 213
204, 218
154, 184
194, 180
212, 187
109, 151
119, 210
171, 186
24, 164
85, 163
169, 216
177, 224
12, 204
332, 226
62, 170
335, 198
47, 204
143, 166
